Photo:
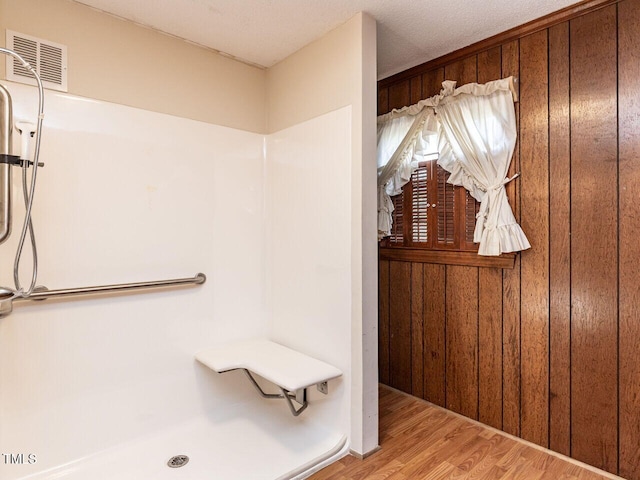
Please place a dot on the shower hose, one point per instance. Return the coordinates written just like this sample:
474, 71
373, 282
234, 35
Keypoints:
28, 193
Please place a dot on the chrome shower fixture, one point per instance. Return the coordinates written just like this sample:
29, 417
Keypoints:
6, 161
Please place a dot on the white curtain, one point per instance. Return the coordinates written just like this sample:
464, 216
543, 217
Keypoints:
472, 132
402, 143
481, 131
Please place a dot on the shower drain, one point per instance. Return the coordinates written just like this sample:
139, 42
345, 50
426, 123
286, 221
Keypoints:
178, 461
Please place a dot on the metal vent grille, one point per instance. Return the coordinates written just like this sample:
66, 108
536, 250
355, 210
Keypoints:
48, 58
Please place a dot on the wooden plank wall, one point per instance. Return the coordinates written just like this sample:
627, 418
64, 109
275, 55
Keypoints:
549, 350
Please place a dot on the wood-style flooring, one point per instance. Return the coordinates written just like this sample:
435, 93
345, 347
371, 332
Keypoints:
424, 442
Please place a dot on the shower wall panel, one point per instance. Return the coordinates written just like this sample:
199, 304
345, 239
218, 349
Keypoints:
128, 195
309, 250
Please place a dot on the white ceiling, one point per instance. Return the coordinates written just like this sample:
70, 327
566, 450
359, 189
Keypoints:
263, 32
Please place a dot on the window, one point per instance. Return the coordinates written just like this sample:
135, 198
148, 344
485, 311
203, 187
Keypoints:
472, 129
433, 214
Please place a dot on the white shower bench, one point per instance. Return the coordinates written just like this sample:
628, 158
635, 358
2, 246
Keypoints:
293, 372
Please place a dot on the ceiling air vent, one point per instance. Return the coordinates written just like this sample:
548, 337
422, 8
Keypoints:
48, 58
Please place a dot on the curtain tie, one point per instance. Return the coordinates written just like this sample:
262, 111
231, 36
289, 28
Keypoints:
484, 205
498, 186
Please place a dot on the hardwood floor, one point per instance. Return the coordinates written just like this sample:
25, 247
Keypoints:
424, 442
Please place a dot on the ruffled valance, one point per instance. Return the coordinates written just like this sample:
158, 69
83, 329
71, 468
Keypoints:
449, 92
471, 130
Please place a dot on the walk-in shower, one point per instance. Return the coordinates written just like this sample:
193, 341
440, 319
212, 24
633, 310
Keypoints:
110, 387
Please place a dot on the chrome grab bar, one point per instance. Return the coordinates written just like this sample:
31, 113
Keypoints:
200, 278
6, 129
42, 293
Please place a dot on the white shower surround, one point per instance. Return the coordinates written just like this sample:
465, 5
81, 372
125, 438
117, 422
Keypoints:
130, 195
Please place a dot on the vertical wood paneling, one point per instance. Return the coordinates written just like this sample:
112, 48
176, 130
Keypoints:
434, 334
511, 68
462, 339
432, 82
383, 321
416, 89
534, 219
559, 253
463, 71
490, 299
490, 346
383, 100
547, 350
511, 281
400, 326
489, 65
417, 330
511, 349
399, 95
594, 255
629, 141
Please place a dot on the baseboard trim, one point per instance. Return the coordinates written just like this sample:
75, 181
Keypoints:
362, 456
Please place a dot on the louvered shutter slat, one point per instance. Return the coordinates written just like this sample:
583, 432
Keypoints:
446, 199
471, 210
397, 226
420, 204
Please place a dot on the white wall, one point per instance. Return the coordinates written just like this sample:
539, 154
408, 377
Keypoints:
116, 60
129, 195
309, 254
333, 72
364, 246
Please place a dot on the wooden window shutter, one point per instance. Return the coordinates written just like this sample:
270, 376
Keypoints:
445, 209
471, 207
433, 214
397, 227
420, 204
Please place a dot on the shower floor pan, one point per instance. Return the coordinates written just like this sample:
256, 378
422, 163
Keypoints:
247, 447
